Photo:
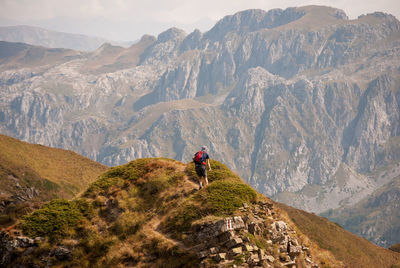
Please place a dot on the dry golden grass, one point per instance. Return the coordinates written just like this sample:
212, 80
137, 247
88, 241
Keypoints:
69, 170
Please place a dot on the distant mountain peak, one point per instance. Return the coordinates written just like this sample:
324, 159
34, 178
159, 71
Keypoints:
171, 34
253, 20
147, 37
325, 11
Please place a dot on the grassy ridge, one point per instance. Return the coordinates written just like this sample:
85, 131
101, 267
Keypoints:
353, 250
62, 167
31, 174
130, 214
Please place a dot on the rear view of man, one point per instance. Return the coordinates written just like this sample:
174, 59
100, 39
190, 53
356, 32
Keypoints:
200, 159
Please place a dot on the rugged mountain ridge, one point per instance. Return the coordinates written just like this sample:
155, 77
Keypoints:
305, 97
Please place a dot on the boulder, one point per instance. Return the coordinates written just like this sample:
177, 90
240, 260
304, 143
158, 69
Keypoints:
261, 254
202, 254
294, 250
227, 236
213, 250
294, 242
280, 226
284, 258
277, 237
220, 257
62, 253
25, 242
235, 241
236, 251
248, 248
253, 259
254, 228
238, 223
270, 258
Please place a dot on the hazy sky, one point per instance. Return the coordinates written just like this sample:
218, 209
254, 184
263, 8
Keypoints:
130, 19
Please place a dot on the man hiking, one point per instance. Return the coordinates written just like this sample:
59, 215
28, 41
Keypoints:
200, 159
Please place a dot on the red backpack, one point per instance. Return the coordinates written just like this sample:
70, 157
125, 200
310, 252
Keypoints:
198, 158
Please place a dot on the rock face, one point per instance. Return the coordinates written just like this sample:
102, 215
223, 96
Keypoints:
306, 98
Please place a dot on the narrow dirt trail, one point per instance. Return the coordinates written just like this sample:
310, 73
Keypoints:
154, 225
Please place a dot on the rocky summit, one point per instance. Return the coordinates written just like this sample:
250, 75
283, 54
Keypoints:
303, 103
150, 213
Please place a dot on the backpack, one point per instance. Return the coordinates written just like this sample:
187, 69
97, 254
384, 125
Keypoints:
199, 158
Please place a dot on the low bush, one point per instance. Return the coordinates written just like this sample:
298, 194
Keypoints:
55, 220
133, 172
103, 186
224, 197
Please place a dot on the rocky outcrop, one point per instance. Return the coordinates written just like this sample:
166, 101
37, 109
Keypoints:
235, 240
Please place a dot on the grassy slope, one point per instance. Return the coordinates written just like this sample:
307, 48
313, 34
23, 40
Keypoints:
62, 167
353, 250
120, 218
50, 172
123, 212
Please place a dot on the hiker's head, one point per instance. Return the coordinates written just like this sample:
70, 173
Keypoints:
204, 148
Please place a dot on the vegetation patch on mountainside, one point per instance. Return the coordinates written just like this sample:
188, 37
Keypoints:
31, 174
57, 219
119, 209
150, 212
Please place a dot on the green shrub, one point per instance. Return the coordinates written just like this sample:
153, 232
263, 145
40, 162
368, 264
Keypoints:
85, 207
103, 185
224, 197
128, 173
54, 220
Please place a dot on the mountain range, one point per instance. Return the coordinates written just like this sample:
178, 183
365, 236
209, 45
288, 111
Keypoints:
52, 39
303, 103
